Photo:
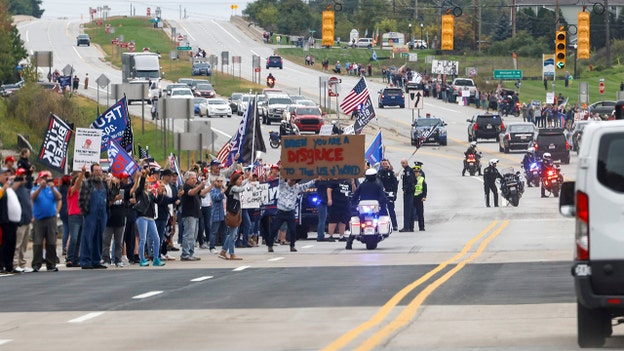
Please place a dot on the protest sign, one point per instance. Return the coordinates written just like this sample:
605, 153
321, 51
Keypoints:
86, 147
311, 156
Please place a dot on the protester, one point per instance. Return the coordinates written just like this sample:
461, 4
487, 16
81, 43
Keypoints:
10, 217
46, 206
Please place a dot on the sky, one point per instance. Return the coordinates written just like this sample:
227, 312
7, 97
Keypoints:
192, 9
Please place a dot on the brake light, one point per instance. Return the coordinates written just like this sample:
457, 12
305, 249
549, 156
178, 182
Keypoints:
582, 226
476, 126
535, 146
502, 125
567, 145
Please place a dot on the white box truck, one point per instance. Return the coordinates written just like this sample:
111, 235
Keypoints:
140, 65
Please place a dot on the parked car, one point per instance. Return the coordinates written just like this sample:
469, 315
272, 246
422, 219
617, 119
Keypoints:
274, 62
201, 69
602, 107
186, 81
364, 43
216, 107
553, 141
197, 102
307, 119
391, 97
181, 93
7, 90
83, 39
205, 90
517, 136
485, 126
423, 125
234, 99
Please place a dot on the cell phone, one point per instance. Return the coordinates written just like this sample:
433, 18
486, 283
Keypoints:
19, 179
151, 159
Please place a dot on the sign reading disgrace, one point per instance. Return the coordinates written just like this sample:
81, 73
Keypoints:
331, 156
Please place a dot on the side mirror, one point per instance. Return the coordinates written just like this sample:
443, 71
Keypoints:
567, 205
469, 120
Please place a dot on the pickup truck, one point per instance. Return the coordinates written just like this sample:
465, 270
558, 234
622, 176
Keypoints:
460, 84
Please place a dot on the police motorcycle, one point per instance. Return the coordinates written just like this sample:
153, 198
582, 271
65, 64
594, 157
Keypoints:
511, 186
472, 162
532, 168
275, 138
336, 128
369, 226
270, 81
509, 107
551, 178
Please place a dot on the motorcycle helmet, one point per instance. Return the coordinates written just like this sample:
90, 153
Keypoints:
473, 144
371, 174
284, 122
547, 156
493, 162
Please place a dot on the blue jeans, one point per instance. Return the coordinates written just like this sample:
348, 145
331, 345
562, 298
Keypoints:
65, 221
189, 236
322, 219
214, 229
228, 243
245, 228
74, 223
147, 226
206, 213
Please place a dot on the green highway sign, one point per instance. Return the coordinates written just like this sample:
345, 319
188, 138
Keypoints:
183, 48
507, 74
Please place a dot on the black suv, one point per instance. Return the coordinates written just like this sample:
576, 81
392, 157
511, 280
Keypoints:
83, 39
552, 140
485, 126
274, 61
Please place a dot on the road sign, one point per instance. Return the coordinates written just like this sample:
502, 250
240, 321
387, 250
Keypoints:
102, 81
183, 48
415, 99
68, 70
131, 46
180, 37
507, 74
601, 87
333, 86
115, 41
123, 44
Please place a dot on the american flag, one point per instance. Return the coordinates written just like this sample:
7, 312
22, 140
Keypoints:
357, 96
225, 150
128, 137
143, 152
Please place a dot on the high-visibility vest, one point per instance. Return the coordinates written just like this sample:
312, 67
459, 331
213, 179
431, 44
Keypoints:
419, 185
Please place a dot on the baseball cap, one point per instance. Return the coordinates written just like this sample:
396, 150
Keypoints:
215, 162
20, 171
123, 175
274, 166
9, 159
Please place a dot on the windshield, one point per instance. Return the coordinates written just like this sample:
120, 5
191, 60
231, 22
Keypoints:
283, 101
216, 102
204, 87
521, 129
427, 122
178, 92
308, 111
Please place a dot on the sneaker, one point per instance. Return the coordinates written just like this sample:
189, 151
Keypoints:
169, 257
173, 248
144, 263
195, 258
203, 246
158, 263
214, 251
119, 264
105, 264
28, 270
19, 269
342, 238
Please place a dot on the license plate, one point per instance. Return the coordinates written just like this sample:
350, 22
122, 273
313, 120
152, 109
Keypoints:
489, 126
431, 139
512, 188
523, 137
369, 230
582, 270
551, 146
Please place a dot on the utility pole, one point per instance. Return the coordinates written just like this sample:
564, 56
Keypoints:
415, 10
607, 33
513, 18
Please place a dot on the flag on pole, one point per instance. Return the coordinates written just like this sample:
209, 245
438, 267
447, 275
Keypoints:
362, 115
127, 141
143, 152
235, 145
357, 96
121, 161
53, 152
115, 124
225, 150
253, 141
374, 153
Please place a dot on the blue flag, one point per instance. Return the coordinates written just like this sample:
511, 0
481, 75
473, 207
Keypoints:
121, 162
113, 123
374, 153
374, 56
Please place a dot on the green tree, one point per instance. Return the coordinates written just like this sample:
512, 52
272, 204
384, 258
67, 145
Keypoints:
503, 31
26, 7
11, 47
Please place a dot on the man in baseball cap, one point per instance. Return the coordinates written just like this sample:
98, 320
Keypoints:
9, 162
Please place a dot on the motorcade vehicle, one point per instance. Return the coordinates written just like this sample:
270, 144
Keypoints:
517, 136
83, 39
553, 141
307, 118
201, 68
512, 186
429, 130
274, 61
140, 65
369, 227
205, 90
243, 103
270, 81
275, 108
234, 99
485, 126
187, 81
216, 107
551, 179
154, 92
462, 84
197, 101
194, 82
174, 86
577, 134
306, 103
595, 201
181, 93
472, 162
391, 97
605, 107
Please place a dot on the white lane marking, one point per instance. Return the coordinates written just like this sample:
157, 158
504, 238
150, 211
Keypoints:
230, 34
147, 294
80, 56
241, 268
276, 259
86, 317
5, 341
307, 246
201, 279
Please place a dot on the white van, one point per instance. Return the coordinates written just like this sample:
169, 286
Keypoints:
596, 201
365, 43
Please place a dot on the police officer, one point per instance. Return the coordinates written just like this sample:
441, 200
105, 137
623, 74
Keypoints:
546, 163
490, 173
409, 182
472, 149
420, 196
370, 189
391, 185
419, 165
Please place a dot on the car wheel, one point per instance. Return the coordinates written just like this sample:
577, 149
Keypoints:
402, 106
229, 116
443, 142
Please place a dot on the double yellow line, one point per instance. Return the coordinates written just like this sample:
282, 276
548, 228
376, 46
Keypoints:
410, 310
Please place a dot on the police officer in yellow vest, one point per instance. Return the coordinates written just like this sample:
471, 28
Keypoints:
420, 196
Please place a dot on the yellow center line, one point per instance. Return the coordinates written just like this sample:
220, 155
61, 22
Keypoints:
394, 300
410, 311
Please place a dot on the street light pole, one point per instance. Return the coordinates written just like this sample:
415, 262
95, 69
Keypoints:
421, 33
410, 32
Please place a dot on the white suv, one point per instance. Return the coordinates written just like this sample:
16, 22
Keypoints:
596, 201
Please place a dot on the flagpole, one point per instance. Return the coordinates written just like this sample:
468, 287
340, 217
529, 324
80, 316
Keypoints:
253, 133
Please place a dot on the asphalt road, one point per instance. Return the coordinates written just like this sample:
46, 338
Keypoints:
478, 278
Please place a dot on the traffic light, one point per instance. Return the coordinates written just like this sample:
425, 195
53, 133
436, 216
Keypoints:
448, 32
560, 49
582, 49
328, 28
